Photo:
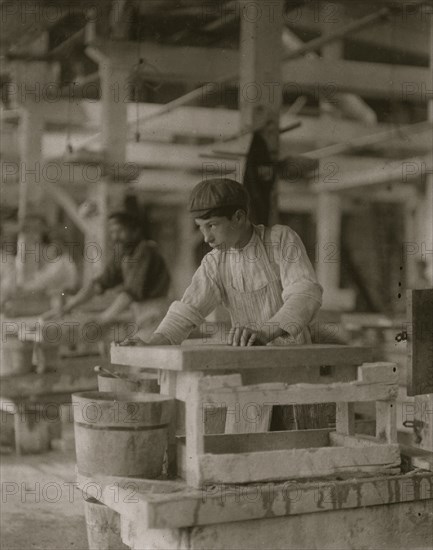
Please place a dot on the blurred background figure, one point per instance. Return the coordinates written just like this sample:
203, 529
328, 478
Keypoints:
41, 271
138, 274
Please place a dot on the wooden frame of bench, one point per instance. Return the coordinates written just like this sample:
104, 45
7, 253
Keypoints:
214, 376
288, 458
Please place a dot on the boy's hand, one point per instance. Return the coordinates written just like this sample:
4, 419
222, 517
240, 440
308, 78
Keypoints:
244, 336
133, 342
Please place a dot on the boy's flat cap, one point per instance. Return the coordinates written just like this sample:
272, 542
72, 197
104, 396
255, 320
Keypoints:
217, 193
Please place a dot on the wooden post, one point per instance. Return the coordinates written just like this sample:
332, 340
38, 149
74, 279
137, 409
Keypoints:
30, 78
31, 132
114, 97
194, 429
329, 205
260, 85
168, 387
114, 93
410, 235
345, 418
260, 70
328, 244
429, 188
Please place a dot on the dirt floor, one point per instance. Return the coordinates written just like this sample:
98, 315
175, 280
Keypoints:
40, 507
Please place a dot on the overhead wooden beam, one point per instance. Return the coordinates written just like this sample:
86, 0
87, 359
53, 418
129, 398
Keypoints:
349, 104
369, 140
407, 32
168, 63
343, 31
403, 171
380, 80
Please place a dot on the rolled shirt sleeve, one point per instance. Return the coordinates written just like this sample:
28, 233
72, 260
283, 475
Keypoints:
201, 297
302, 294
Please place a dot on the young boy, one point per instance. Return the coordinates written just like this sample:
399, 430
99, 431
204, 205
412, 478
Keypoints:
261, 275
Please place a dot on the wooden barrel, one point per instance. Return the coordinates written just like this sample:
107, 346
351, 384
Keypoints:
121, 434
16, 357
144, 383
103, 526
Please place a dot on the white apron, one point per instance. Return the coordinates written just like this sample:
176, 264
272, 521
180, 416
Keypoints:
256, 307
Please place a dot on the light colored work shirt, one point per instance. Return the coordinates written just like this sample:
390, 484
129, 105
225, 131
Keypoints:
268, 283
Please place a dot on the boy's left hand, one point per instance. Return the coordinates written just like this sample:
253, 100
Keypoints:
244, 336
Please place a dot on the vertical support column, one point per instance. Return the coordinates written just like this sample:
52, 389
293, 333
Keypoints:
31, 133
328, 241
194, 428
260, 85
429, 187
30, 78
386, 421
329, 205
114, 95
168, 380
410, 235
345, 418
114, 129
188, 239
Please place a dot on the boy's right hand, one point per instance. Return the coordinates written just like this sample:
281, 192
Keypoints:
133, 342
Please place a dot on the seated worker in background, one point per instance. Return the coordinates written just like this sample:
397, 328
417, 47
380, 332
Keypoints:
42, 268
141, 272
261, 275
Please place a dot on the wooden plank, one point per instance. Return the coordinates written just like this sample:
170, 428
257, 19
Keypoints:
169, 63
345, 418
356, 440
362, 78
266, 441
260, 421
420, 341
168, 381
412, 457
401, 526
378, 372
374, 176
295, 463
194, 428
296, 375
386, 421
219, 357
167, 504
299, 394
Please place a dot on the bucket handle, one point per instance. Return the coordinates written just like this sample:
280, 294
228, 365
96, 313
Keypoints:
98, 369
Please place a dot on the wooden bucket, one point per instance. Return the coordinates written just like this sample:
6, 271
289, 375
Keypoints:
145, 383
16, 357
103, 526
121, 434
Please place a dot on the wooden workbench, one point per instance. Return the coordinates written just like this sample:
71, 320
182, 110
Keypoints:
380, 512
348, 510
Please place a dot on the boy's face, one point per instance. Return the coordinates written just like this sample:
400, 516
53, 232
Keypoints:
219, 231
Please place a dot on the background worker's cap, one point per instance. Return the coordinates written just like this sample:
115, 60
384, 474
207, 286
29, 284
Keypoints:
217, 193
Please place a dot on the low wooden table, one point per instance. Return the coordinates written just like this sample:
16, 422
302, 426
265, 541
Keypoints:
369, 512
